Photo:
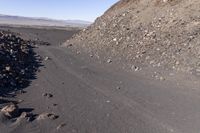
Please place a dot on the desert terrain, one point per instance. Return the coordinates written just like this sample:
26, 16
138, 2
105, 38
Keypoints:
95, 96
116, 76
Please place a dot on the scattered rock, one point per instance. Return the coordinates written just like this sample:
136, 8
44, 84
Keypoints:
162, 78
70, 45
10, 111
20, 101
46, 58
115, 39
118, 87
44, 116
108, 101
135, 68
55, 104
48, 95
61, 126
25, 116
109, 61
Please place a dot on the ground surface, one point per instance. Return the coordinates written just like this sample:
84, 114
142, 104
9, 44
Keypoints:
96, 98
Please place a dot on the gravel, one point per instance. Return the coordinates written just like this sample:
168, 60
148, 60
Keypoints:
146, 33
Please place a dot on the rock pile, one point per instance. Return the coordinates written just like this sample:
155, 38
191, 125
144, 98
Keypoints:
16, 61
155, 33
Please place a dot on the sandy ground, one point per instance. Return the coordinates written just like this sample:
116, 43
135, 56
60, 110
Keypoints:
90, 97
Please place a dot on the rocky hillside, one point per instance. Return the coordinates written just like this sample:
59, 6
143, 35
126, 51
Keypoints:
156, 33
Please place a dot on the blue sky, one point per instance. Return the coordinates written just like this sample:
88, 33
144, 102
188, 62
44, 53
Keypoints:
56, 9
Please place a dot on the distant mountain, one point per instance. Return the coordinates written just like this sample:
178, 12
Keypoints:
30, 21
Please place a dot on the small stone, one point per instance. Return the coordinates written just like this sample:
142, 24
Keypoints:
8, 68
70, 45
61, 126
55, 104
48, 95
25, 116
53, 116
115, 39
118, 87
162, 78
124, 14
108, 101
20, 101
44, 116
135, 68
10, 111
109, 61
46, 58
177, 63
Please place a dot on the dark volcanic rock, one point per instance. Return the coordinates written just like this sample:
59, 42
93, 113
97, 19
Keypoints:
17, 61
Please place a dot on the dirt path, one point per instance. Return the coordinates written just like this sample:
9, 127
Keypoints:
90, 98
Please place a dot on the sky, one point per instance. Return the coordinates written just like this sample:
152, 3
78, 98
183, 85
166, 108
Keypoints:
87, 10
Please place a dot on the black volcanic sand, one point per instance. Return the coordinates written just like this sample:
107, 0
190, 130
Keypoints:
89, 97
53, 35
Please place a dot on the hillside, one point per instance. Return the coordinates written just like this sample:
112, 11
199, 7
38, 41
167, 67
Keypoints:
146, 33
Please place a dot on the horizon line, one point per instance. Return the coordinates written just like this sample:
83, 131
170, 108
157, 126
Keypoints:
47, 18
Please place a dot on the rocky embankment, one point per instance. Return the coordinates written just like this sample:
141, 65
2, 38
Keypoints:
146, 33
17, 59
19, 64
18, 67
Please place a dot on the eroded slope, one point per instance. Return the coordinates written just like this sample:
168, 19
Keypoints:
147, 33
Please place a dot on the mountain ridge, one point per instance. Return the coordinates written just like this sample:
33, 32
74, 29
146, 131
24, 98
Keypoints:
40, 21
